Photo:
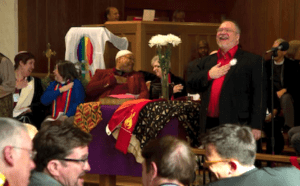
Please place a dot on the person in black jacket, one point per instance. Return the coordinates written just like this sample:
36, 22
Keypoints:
231, 84
27, 97
285, 90
230, 152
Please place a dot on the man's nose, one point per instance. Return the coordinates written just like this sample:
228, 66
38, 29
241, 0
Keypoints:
87, 166
32, 164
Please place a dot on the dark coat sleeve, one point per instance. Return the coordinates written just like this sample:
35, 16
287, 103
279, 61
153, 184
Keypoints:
198, 79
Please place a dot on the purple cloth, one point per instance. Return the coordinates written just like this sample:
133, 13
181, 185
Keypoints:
104, 158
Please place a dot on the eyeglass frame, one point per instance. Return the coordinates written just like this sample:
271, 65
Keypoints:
208, 163
83, 161
226, 30
32, 153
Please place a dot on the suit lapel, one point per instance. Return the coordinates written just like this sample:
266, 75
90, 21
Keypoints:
238, 55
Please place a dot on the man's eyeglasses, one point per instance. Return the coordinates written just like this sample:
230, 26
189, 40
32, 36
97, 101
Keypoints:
82, 161
209, 163
32, 153
225, 30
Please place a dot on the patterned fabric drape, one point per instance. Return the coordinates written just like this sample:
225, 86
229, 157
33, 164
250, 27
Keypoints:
155, 115
88, 115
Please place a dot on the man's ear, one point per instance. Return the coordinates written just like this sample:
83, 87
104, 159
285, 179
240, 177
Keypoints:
8, 155
153, 170
233, 167
53, 167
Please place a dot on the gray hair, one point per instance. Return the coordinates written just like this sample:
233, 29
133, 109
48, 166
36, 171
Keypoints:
156, 58
293, 49
173, 157
232, 141
10, 133
238, 29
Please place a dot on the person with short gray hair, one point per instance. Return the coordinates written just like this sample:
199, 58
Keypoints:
168, 161
16, 157
230, 155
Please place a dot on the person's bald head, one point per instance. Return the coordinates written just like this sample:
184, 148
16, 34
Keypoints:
112, 14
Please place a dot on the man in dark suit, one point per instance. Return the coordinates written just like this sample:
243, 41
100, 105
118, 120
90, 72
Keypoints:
231, 84
230, 155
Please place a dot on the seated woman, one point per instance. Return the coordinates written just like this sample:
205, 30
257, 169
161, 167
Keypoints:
177, 85
65, 93
27, 105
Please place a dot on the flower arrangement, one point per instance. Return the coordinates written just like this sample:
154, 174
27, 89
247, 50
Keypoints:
164, 44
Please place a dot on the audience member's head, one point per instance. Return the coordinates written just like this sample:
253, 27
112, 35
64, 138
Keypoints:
62, 153
168, 160
156, 66
24, 62
65, 70
112, 14
178, 16
228, 35
294, 50
230, 150
125, 61
203, 48
16, 152
280, 54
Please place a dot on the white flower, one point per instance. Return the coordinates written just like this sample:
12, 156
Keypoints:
158, 40
233, 62
172, 39
163, 40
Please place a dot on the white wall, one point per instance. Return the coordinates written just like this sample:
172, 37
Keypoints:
9, 28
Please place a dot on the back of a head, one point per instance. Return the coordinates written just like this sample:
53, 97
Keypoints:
173, 158
67, 70
294, 50
232, 141
10, 132
57, 142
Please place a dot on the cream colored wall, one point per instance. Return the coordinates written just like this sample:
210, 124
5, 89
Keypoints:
9, 28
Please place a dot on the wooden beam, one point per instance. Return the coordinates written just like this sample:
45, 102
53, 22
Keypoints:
259, 156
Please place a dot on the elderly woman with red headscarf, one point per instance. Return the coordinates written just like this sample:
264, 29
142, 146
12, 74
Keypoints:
66, 92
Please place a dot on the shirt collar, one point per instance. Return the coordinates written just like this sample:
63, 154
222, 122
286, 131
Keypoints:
279, 63
230, 54
121, 73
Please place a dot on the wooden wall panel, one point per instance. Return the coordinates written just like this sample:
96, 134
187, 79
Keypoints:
262, 22
297, 19
43, 21
48, 21
204, 11
287, 16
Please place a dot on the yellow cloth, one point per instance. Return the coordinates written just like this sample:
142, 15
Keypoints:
2, 179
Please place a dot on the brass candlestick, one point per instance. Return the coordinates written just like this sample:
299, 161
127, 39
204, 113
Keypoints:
48, 54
